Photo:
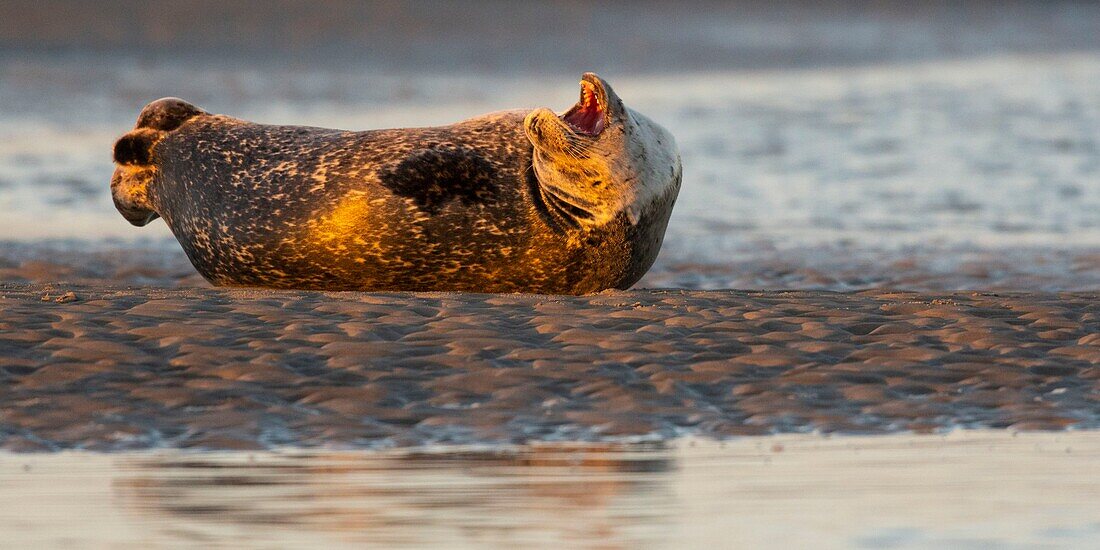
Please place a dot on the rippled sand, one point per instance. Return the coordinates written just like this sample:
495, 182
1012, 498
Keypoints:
251, 369
968, 489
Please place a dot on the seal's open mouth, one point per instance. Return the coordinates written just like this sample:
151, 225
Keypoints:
588, 116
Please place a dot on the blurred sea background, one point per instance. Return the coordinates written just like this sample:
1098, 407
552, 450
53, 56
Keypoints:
826, 145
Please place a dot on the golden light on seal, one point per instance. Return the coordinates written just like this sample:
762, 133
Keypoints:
342, 222
512, 201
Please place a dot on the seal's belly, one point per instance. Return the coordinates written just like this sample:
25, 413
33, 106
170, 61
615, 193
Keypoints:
314, 208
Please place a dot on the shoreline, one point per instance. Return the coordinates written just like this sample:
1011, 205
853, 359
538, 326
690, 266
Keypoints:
985, 488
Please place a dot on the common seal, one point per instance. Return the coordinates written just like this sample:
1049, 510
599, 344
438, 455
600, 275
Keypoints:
512, 201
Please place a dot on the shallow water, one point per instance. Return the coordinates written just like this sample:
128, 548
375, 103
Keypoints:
967, 489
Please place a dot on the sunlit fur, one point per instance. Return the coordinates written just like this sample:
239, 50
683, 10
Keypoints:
631, 163
511, 201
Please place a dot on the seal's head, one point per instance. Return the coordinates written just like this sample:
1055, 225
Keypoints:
599, 158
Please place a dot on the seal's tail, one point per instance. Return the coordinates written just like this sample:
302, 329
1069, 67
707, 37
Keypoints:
134, 154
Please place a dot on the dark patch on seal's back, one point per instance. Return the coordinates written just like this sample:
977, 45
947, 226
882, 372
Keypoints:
433, 177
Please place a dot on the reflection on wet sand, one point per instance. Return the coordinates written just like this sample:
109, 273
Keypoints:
574, 493
989, 489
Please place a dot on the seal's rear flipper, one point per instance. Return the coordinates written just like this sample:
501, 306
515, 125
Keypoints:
167, 114
156, 119
133, 153
136, 147
130, 190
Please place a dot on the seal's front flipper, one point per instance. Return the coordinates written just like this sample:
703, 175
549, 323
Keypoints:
134, 154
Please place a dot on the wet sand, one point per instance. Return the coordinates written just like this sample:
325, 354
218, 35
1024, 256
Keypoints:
113, 369
968, 489
162, 263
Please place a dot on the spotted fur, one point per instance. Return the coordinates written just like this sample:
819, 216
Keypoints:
475, 206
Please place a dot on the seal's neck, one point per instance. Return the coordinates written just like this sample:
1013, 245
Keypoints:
582, 192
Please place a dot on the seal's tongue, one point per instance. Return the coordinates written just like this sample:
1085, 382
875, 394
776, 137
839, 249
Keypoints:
587, 116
